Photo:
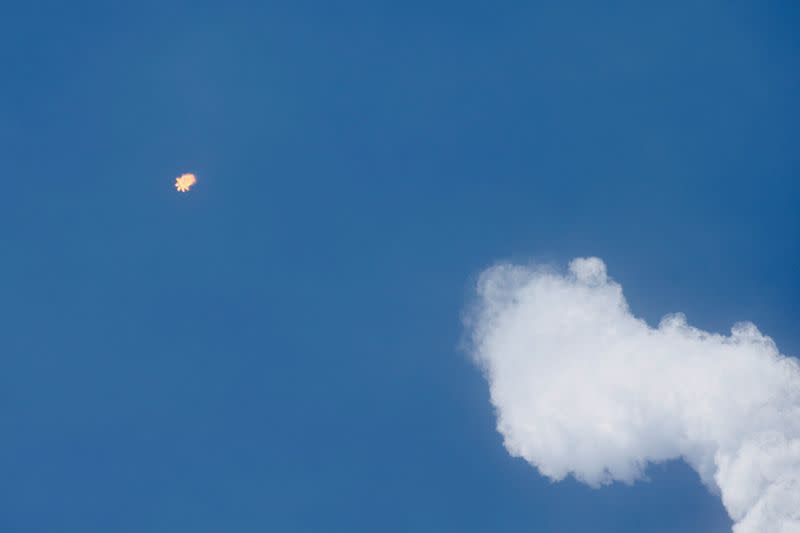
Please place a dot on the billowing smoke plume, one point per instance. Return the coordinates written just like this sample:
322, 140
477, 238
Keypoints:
582, 387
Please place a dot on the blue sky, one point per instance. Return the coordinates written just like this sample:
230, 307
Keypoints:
279, 349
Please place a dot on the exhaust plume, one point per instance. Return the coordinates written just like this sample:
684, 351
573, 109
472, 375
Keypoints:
582, 387
184, 182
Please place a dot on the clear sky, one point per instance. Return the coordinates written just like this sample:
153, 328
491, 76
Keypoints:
280, 348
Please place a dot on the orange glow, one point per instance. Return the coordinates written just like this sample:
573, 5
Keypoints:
185, 182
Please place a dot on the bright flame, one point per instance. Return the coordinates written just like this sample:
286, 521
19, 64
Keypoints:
185, 182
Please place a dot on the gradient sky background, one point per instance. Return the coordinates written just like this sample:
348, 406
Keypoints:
278, 350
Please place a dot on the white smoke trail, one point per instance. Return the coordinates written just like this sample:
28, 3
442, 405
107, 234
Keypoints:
582, 387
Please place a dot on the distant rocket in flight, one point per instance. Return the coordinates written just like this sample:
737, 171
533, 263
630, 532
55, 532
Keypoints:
185, 182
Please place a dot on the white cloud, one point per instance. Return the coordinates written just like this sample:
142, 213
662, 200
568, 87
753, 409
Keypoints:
582, 387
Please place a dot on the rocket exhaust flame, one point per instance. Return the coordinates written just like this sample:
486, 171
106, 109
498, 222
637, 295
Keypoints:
185, 182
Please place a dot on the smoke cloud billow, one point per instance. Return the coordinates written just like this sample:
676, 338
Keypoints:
582, 387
